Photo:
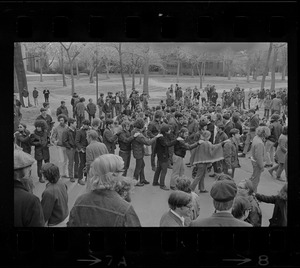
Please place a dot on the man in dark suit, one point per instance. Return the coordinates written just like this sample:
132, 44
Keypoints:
223, 193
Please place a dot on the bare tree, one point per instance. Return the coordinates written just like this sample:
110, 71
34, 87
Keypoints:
118, 47
227, 56
72, 50
266, 70
20, 72
276, 48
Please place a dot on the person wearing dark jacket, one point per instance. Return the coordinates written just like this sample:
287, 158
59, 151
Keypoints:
41, 150
107, 108
35, 95
124, 139
62, 109
253, 125
162, 152
68, 140
81, 144
228, 125
28, 211
91, 109
139, 151
80, 112
180, 149
109, 138
279, 217
152, 131
74, 101
48, 119
54, 198
22, 138
236, 123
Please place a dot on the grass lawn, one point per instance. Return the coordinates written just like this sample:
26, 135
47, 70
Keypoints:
158, 85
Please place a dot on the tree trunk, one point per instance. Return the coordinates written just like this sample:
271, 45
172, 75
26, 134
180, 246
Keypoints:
229, 72
63, 68
200, 75
203, 72
273, 69
129, 71
92, 71
121, 70
192, 69
20, 71
97, 89
248, 74
133, 78
41, 69
254, 75
72, 76
77, 71
107, 67
178, 69
283, 73
140, 71
146, 77
266, 67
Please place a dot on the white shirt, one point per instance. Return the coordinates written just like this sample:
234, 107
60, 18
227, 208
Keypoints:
177, 215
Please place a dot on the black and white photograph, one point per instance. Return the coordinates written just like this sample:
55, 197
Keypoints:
150, 134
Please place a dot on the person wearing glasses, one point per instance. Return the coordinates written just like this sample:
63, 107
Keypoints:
241, 208
245, 189
180, 204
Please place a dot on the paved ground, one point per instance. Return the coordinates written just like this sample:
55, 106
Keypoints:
150, 202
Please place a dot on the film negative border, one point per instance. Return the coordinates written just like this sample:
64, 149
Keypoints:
145, 22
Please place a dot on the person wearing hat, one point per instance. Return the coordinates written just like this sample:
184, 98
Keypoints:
275, 130
258, 154
162, 151
139, 151
223, 193
28, 211
153, 129
253, 124
74, 101
230, 149
39, 140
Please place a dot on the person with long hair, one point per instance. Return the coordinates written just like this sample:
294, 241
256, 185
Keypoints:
22, 138
102, 206
279, 217
39, 139
55, 197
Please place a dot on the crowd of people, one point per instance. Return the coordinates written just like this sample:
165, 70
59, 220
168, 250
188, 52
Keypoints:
217, 131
